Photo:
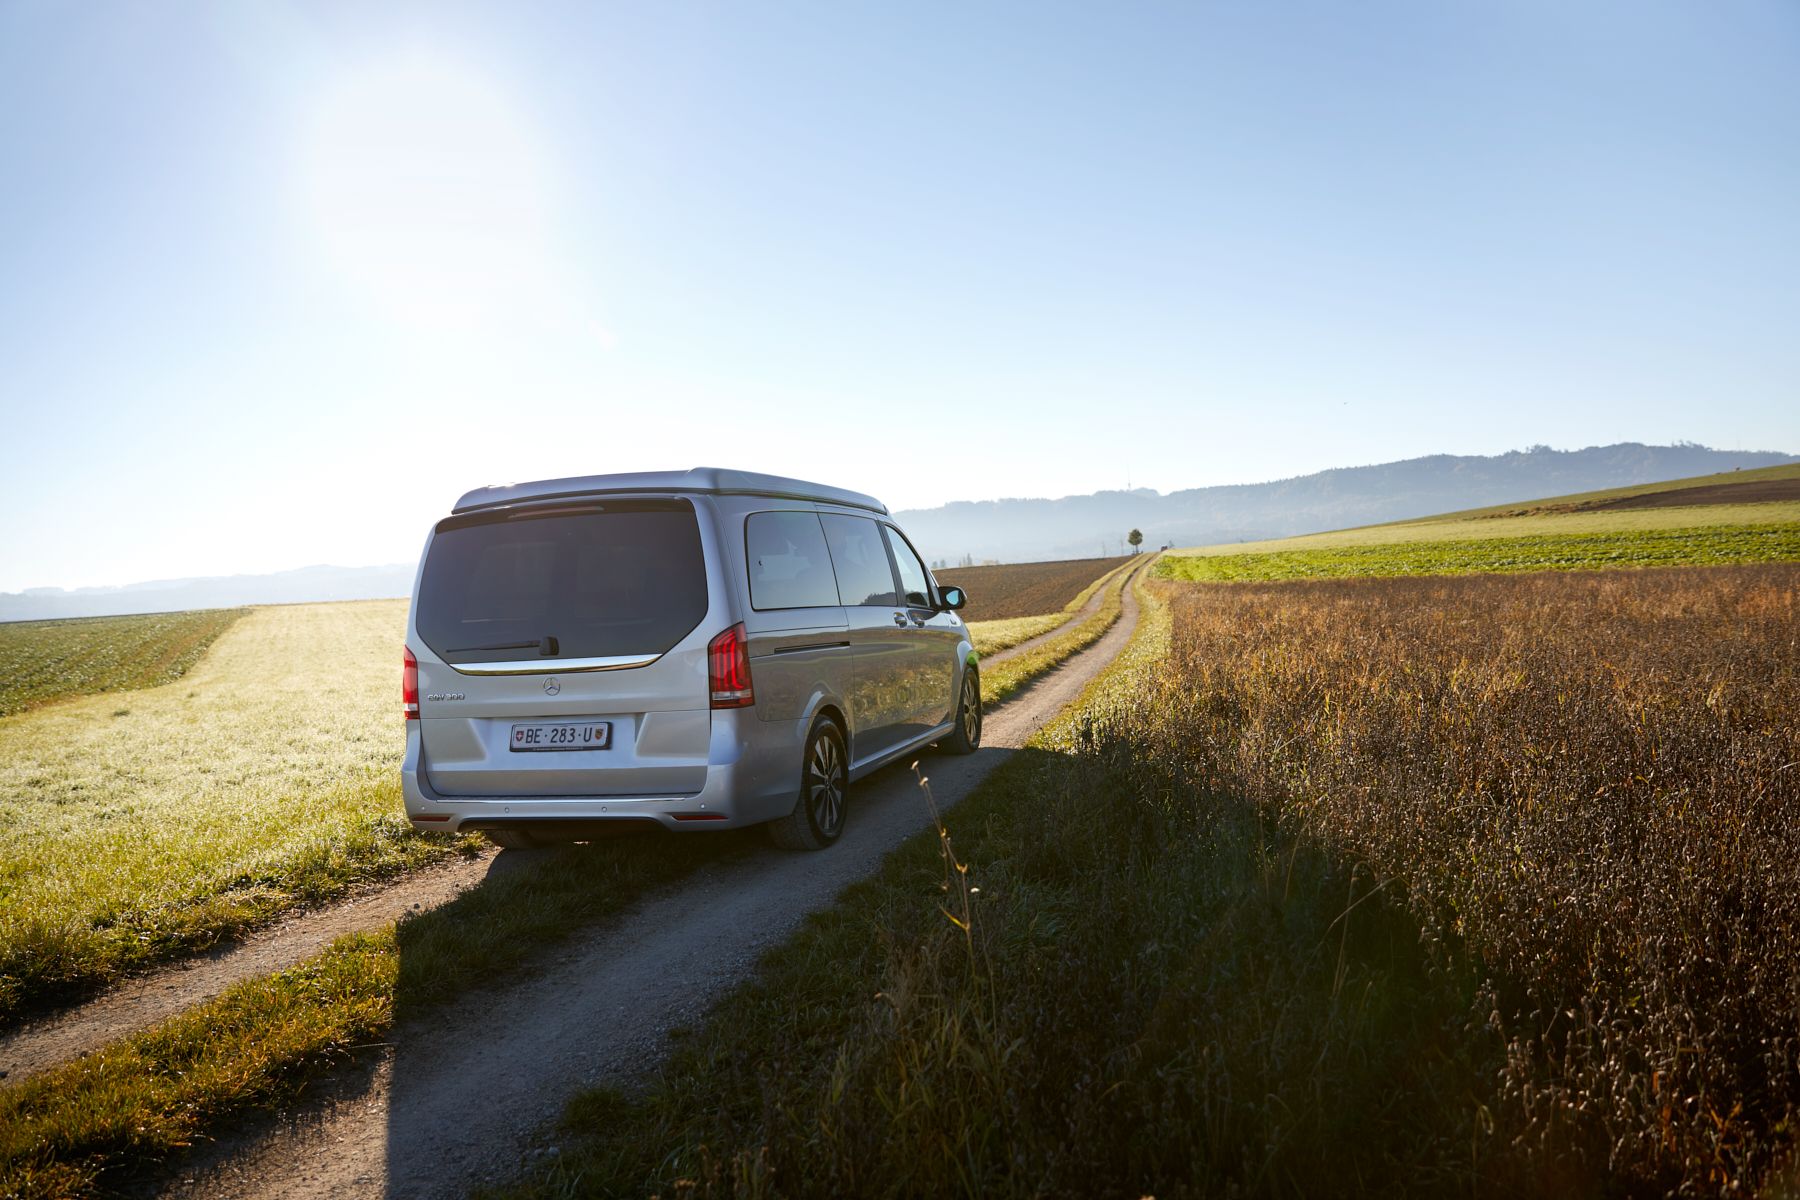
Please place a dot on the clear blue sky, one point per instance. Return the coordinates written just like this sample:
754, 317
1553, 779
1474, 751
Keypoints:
279, 280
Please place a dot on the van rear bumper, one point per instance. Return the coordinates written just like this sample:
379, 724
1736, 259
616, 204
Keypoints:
753, 776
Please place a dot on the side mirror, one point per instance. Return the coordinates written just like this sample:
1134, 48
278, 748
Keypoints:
953, 597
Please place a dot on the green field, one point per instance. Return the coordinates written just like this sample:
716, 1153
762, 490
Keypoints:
1707, 545
1480, 524
46, 661
139, 826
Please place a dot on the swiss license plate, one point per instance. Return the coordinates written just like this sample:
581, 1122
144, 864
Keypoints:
563, 735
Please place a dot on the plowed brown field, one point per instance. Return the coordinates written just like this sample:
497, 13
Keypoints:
1023, 589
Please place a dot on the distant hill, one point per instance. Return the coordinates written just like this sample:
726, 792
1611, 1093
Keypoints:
1081, 526
299, 586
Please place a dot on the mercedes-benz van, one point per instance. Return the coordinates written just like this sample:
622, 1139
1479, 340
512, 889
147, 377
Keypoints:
702, 649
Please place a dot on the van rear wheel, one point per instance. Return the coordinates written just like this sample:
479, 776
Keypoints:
512, 839
818, 816
965, 733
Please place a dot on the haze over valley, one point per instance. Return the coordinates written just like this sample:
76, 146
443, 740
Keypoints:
1034, 530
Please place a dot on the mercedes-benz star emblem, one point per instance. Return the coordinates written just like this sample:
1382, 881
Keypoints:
551, 687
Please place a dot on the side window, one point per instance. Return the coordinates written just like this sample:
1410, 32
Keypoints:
789, 565
863, 574
915, 584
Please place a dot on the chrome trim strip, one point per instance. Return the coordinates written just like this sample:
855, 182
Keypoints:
554, 666
810, 646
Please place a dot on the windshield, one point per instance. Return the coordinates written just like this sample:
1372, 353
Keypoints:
588, 581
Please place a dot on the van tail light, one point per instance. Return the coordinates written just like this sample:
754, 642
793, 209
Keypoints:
728, 669
409, 686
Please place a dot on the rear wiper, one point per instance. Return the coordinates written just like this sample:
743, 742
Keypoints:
546, 647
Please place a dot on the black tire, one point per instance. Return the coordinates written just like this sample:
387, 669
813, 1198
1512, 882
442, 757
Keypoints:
965, 733
512, 839
818, 816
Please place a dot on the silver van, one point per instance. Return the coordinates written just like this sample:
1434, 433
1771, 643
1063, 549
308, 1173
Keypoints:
705, 649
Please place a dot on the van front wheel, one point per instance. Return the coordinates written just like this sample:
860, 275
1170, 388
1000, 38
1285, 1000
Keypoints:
818, 816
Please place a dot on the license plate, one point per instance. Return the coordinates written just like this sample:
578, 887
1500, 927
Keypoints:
563, 735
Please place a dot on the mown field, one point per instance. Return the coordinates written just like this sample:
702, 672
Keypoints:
1569, 551
1024, 589
1483, 886
45, 661
138, 826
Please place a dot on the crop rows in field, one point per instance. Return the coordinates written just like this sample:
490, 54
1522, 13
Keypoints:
1706, 546
1023, 589
43, 661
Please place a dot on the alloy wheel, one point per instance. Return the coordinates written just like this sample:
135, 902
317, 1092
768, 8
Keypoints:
825, 784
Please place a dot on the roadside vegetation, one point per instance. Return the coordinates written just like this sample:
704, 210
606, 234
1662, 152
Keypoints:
1002, 680
45, 661
1706, 545
1477, 886
991, 637
146, 826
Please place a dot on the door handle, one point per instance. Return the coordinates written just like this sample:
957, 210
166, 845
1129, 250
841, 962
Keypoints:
900, 619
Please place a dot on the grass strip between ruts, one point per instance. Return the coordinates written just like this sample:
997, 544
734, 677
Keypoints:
1003, 680
1087, 592
991, 637
139, 1100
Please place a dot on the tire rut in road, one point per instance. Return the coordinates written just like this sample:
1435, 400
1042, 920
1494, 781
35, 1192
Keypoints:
458, 1096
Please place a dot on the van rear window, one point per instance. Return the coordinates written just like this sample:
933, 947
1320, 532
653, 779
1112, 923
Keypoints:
575, 581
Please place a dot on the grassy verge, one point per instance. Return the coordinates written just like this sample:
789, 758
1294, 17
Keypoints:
144, 1098
1001, 681
1702, 546
45, 661
143, 828
991, 637
1087, 593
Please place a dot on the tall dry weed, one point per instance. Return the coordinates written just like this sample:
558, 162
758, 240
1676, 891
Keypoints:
1588, 787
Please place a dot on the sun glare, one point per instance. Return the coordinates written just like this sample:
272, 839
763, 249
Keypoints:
428, 195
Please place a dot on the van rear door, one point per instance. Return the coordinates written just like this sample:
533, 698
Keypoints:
563, 617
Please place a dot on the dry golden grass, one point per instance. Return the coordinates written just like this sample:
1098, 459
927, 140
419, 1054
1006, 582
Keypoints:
136, 826
1476, 887
991, 637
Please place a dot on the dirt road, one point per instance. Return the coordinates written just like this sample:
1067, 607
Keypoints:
464, 1096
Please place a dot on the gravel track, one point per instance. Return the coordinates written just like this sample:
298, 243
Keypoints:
464, 1096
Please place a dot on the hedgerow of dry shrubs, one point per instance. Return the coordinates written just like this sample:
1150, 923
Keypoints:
1589, 783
